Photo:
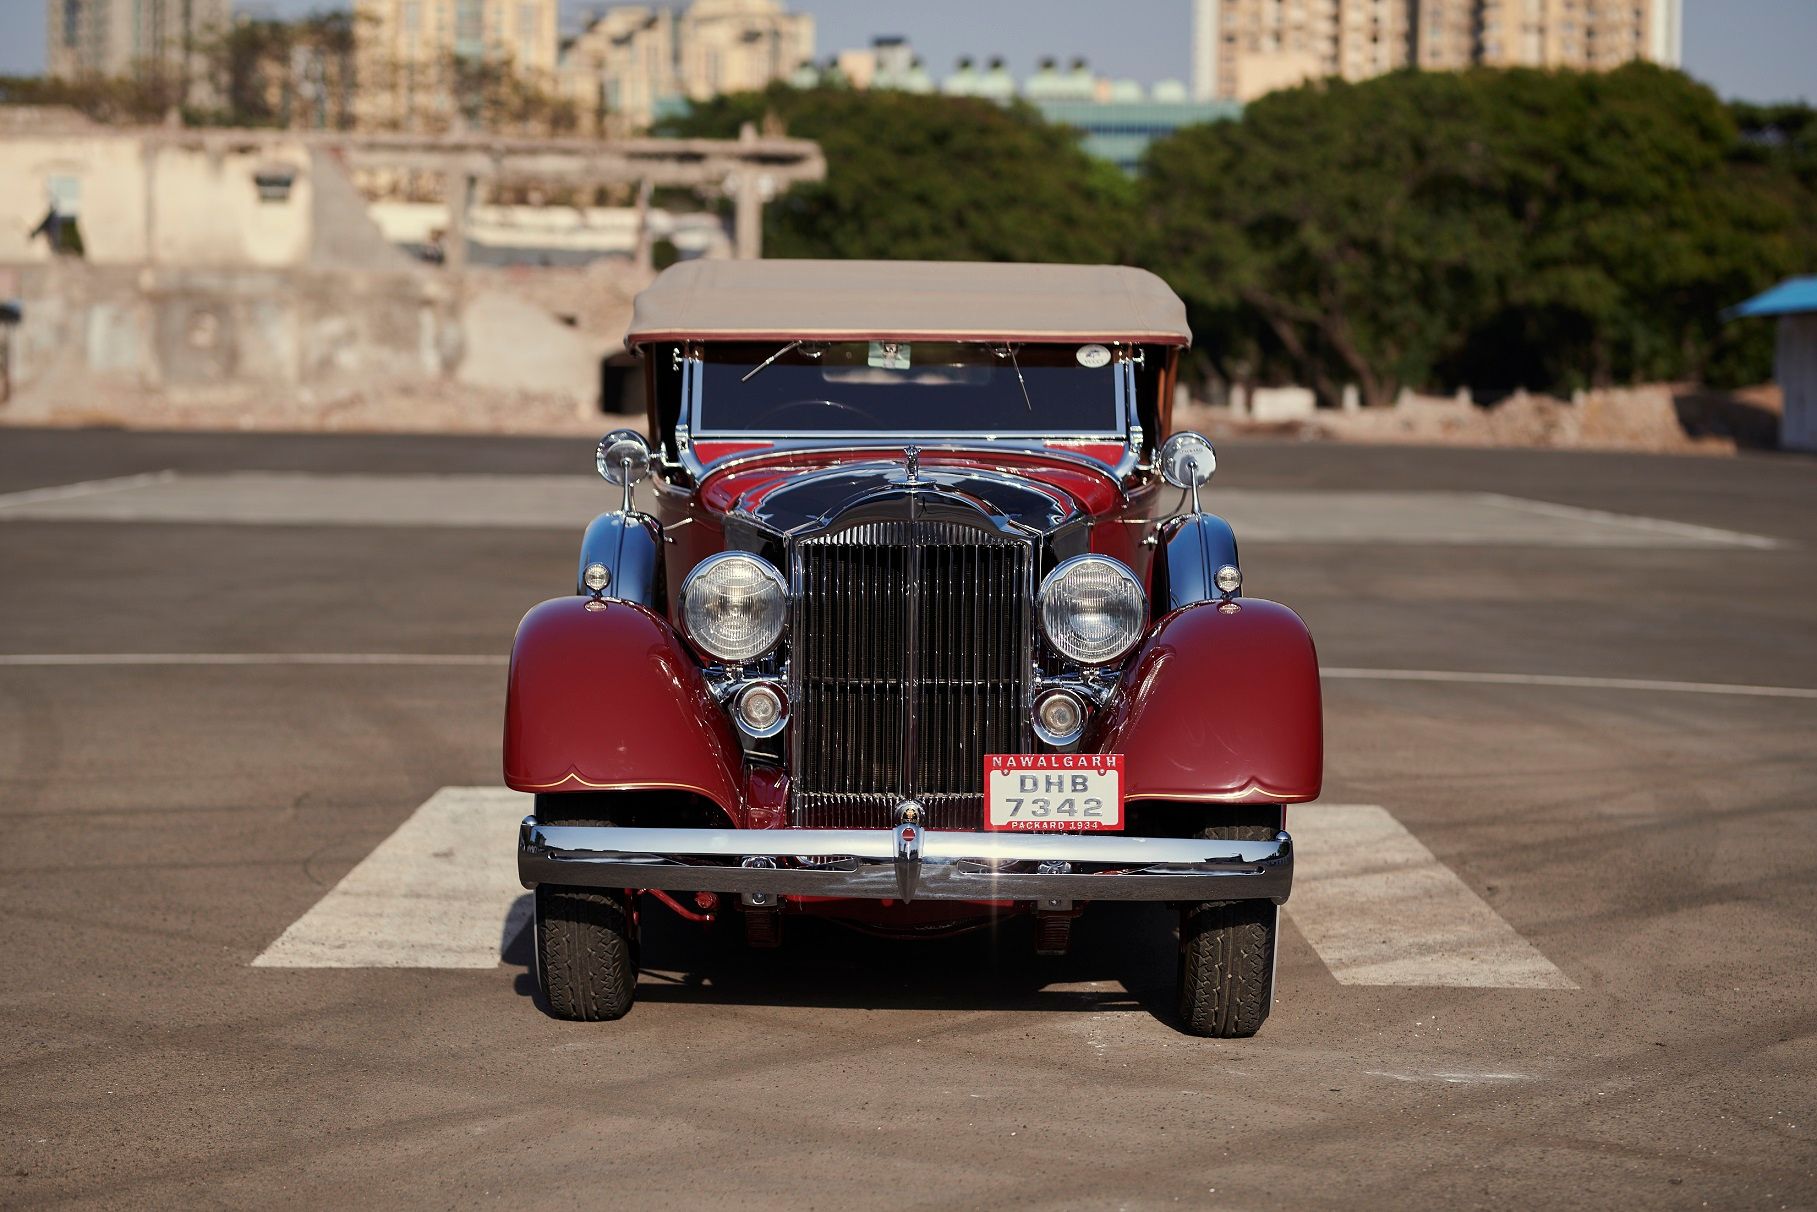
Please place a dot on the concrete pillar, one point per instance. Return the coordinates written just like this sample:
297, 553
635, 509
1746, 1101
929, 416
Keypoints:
747, 205
460, 200
149, 154
747, 216
643, 257
1352, 400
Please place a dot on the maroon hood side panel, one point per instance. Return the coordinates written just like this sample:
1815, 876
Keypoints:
1221, 704
602, 696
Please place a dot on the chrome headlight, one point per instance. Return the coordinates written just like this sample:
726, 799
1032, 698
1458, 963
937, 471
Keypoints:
1093, 609
733, 605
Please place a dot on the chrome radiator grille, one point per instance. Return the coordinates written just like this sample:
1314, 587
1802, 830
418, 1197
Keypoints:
910, 664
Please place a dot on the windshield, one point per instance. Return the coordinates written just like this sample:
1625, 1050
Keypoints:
938, 387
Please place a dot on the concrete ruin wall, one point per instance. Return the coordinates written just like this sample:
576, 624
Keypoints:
200, 301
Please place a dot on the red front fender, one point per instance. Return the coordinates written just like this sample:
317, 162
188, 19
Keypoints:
1221, 704
602, 695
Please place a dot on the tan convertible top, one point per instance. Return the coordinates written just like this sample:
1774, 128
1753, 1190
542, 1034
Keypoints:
908, 300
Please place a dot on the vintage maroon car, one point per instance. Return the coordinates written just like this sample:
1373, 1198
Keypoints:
909, 618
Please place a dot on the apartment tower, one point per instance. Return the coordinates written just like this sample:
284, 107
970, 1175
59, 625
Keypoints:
131, 37
408, 48
1244, 48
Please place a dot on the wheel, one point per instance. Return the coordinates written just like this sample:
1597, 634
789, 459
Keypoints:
586, 938
1227, 954
586, 952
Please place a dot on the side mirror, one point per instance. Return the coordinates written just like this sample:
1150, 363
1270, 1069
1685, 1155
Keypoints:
1188, 461
623, 458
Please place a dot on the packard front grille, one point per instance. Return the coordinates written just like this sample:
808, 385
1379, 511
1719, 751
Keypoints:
911, 649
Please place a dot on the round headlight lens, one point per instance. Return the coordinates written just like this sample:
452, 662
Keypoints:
1092, 609
732, 605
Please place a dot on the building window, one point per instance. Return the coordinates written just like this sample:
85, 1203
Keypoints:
72, 22
61, 227
274, 183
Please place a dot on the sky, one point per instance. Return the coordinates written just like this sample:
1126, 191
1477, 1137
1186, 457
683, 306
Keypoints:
1756, 50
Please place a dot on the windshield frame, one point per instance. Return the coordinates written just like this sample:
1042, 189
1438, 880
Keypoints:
1122, 392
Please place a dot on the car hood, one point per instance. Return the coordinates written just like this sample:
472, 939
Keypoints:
806, 489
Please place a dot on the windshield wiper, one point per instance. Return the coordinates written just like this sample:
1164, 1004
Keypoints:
1009, 351
765, 364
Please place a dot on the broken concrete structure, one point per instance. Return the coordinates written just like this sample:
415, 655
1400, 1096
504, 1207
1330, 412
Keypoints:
235, 278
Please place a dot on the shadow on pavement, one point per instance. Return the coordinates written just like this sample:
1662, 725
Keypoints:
1122, 958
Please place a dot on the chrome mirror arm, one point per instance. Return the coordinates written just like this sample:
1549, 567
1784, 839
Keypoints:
1187, 461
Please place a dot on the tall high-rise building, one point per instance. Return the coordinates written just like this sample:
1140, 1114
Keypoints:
1577, 33
413, 53
1244, 48
131, 37
635, 58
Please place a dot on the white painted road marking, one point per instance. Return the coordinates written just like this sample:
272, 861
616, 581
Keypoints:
1567, 681
484, 660
1380, 909
1577, 513
84, 488
442, 892
1475, 519
438, 893
568, 501
282, 498
492, 661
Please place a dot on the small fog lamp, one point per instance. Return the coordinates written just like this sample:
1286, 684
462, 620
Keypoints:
760, 710
596, 578
1059, 718
1228, 578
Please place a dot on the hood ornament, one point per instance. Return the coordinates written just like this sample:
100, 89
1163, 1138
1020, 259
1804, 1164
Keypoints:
912, 459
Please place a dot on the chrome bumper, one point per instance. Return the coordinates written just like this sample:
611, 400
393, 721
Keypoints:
905, 863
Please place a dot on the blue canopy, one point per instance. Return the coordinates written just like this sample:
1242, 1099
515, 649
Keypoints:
1789, 297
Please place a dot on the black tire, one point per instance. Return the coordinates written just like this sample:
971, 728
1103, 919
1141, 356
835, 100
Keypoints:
586, 938
586, 953
1227, 955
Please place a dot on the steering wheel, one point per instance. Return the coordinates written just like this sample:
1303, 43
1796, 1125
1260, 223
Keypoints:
781, 410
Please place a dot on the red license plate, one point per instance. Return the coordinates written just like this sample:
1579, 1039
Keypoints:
1060, 792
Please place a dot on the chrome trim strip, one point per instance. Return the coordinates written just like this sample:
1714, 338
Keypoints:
891, 436
982, 446
868, 863
911, 634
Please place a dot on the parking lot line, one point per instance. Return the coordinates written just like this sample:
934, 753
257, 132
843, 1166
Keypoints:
1342, 673
437, 893
566, 502
84, 488
1602, 517
498, 660
60, 659
1380, 909
1377, 906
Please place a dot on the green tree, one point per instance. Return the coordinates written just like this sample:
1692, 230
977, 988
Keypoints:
919, 177
1496, 229
139, 99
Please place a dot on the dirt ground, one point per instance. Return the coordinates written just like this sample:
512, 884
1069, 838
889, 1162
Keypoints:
1659, 418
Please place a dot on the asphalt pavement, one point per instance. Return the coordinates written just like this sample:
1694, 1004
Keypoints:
1574, 695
